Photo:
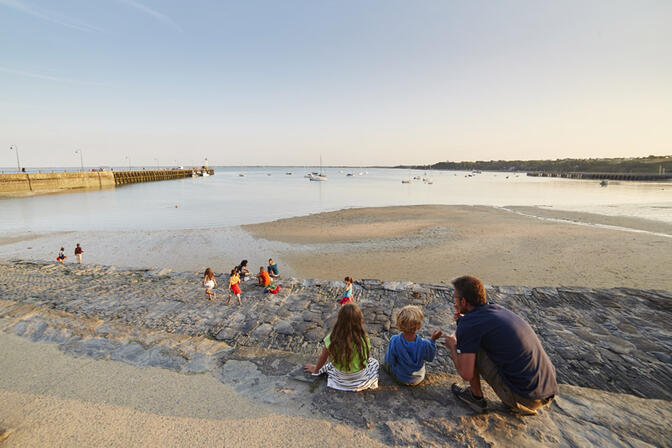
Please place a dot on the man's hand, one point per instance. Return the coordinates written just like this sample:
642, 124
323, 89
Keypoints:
312, 368
436, 334
451, 341
457, 316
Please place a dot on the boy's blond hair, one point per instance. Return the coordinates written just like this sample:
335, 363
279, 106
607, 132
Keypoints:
409, 319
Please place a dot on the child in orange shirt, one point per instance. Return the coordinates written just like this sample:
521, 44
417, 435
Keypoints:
263, 279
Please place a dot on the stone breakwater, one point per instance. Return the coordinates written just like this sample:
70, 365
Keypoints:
604, 343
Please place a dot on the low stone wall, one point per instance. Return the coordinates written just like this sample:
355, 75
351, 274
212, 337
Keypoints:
27, 184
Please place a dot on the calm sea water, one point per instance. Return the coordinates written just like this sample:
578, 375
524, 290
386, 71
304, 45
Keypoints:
263, 194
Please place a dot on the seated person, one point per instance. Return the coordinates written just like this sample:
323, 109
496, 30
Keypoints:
273, 270
243, 272
263, 279
348, 347
407, 352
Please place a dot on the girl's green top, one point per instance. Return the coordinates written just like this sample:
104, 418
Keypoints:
357, 363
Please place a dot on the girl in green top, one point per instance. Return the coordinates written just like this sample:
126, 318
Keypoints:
348, 348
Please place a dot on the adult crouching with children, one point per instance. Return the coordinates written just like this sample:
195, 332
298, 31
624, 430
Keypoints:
498, 345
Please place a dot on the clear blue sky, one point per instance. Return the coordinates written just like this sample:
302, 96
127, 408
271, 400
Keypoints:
361, 82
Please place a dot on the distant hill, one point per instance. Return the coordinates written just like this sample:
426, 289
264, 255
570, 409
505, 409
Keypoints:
643, 165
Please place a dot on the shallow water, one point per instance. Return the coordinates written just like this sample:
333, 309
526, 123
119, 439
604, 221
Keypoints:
265, 194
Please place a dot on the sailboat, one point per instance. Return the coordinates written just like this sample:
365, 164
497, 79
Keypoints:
321, 176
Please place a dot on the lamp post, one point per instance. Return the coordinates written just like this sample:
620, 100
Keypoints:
18, 164
157, 163
81, 158
129, 163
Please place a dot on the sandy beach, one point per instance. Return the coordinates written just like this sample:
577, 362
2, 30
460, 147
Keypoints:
517, 246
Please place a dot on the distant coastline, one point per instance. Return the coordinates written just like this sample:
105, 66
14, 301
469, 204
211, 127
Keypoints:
634, 165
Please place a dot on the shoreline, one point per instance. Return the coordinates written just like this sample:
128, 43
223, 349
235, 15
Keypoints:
529, 246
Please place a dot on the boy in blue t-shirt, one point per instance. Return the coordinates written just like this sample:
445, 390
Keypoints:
407, 352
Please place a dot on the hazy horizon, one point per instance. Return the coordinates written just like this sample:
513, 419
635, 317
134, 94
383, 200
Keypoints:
378, 83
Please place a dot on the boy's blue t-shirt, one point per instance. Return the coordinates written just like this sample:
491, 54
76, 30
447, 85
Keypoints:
273, 268
513, 347
407, 358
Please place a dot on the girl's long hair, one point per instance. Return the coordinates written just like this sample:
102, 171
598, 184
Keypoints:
208, 274
348, 336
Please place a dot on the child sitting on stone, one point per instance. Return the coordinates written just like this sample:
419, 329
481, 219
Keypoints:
263, 279
407, 352
346, 357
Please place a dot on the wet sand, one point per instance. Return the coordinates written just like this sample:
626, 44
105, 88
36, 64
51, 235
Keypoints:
517, 246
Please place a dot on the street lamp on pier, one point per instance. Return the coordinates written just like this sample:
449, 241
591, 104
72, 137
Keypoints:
81, 158
157, 163
18, 164
129, 163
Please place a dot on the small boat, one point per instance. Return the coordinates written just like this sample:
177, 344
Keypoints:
349, 175
319, 177
205, 173
241, 175
604, 183
288, 173
194, 174
408, 181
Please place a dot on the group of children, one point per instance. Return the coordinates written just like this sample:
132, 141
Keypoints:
78, 254
346, 355
241, 273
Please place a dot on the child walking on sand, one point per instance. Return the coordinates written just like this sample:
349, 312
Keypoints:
407, 352
209, 283
347, 346
347, 292
234, 285
61, 255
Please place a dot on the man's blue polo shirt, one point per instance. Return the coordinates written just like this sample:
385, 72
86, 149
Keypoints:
512, 345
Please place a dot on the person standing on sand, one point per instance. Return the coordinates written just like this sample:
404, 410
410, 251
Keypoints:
61, 256
78, 253
499, 345
234, 286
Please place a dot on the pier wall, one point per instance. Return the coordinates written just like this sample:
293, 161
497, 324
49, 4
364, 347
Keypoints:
604, 176
30, 184
132, 177
27, 184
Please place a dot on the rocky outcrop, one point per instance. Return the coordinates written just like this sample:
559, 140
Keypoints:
610, 346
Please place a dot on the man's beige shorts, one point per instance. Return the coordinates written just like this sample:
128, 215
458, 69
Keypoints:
488, 370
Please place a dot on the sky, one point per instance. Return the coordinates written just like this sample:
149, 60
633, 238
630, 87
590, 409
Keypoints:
357, 82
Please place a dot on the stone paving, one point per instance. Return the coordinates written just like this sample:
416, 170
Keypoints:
616, 340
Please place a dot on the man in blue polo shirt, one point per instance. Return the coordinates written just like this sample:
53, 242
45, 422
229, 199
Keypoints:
500, 346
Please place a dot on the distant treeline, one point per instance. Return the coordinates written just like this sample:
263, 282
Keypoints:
648, 165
